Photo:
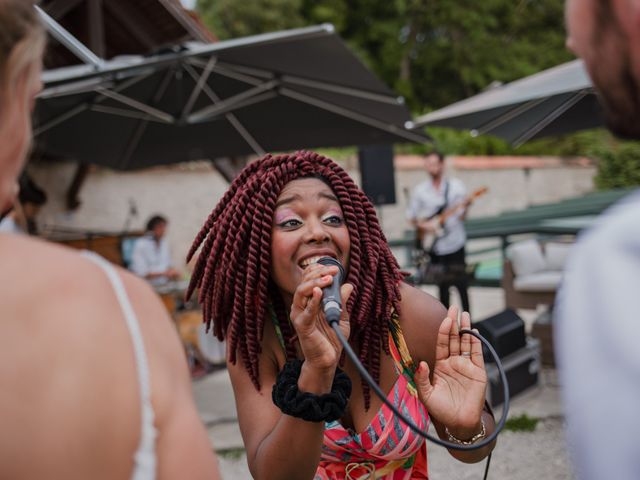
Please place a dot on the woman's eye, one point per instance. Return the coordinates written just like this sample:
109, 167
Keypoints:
292, 222
334, 220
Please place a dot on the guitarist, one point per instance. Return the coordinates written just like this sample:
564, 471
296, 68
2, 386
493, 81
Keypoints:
443, 242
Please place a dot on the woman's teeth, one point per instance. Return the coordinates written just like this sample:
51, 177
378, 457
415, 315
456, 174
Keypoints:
308, 261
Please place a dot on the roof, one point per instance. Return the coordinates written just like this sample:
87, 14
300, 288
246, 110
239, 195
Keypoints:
122, 27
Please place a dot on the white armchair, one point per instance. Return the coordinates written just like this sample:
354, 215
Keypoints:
531, 274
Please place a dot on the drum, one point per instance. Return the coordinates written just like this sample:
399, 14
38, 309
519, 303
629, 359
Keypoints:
170, 293
205, 347
211, 348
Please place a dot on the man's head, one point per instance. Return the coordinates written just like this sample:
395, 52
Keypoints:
606, 35
434, 164
157, 226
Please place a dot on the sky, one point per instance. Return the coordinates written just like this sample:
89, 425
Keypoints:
189, 3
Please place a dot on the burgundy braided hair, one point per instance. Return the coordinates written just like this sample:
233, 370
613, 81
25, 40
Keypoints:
233, 267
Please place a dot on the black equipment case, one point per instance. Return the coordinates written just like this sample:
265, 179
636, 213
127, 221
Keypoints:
521, 368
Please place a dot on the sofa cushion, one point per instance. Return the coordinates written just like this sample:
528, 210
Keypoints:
556, 254
537, 282
526, 257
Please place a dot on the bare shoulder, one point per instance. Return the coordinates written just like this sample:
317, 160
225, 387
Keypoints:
54, 274
64, 307
420, 317
56, 289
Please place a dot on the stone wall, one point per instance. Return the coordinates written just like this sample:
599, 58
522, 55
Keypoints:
514, 183
186, 193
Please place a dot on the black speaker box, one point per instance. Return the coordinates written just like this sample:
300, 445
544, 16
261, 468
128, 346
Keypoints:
378, 174
504, 331
521, 368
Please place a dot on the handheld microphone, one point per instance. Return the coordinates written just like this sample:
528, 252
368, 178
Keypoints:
331, 301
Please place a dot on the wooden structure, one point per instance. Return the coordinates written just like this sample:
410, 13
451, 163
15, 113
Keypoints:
106, 244
122, 27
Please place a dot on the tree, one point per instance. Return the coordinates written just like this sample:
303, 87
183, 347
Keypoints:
436, 52
233, 19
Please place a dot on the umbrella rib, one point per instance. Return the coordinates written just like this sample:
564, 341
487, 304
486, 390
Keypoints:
133, 143
219, 105
60, 119
197, 62
389, 128
252, 71
332, 87
65, 89
154, 112
237, 106
81, 108
506, 117
124, 113
566, 105
164, 85
231, 118
244, 133
198, 88
142, 125
306, 82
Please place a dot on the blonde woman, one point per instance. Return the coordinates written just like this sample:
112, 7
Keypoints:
93, 380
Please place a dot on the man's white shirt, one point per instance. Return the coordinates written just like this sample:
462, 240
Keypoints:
150, 256
595, 325
425, 202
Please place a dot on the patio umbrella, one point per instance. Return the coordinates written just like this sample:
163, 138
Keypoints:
294, 89
555, 101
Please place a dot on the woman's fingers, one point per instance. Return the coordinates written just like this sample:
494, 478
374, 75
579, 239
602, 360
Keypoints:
442, 342
314, 276
476, 351
454, 332
465, 340
423, 383
314, 301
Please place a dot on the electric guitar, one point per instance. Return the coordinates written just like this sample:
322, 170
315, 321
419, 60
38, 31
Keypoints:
424, 239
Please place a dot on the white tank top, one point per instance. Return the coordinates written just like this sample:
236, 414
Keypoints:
145, 457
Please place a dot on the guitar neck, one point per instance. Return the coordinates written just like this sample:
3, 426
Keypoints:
465, 203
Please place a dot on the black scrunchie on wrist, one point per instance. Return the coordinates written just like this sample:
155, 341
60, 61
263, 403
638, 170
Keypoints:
308, 406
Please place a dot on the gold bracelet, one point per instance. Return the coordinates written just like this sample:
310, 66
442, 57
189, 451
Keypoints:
472, 440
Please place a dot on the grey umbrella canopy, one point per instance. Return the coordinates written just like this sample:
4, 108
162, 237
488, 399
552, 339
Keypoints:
294, 89
555, 101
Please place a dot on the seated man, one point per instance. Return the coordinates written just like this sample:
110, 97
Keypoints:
151, 257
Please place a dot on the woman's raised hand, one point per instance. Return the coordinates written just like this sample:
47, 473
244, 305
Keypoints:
455, 397
319, 343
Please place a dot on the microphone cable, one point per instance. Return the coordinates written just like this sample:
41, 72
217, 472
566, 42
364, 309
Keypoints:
449, 445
